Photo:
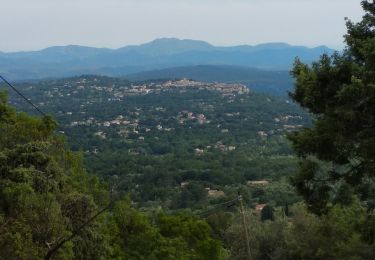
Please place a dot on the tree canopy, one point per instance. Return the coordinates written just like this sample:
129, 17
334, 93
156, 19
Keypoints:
338, 152
49, 204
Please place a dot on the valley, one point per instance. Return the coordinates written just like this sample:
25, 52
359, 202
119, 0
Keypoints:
178, 130
176, 144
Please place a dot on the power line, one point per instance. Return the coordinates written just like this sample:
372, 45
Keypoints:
25, 98
43, 113
219, 206
242, 211
75, 232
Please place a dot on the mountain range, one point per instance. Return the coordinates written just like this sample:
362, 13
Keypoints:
63, 61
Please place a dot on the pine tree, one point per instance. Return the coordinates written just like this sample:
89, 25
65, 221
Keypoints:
339, 150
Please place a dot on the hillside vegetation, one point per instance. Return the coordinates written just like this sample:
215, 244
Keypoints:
183, 169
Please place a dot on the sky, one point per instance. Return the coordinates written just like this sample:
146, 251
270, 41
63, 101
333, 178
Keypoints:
36, 24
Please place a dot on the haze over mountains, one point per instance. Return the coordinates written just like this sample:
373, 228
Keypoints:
159, 54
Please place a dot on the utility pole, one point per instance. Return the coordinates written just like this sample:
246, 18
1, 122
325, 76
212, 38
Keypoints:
244, 227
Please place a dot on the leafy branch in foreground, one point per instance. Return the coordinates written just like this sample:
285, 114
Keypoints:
339, 90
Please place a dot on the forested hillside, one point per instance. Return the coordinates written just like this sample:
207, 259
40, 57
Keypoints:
163, 182
94, 167
51, 208
171, 145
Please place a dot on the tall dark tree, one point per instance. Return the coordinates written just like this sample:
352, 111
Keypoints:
338, 152
266, 213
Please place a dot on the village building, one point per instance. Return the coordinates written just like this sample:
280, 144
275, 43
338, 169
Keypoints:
259, 208
214, 193
260, 182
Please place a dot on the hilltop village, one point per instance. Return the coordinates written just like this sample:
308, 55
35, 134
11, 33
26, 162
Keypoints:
131, 124
151, 87
199, 140
142, 112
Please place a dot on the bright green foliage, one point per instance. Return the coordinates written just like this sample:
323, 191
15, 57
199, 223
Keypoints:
172, 237
340, 92
46, 195
336, 235
241, 138
196, 233
44, 191
267, 239
219, 221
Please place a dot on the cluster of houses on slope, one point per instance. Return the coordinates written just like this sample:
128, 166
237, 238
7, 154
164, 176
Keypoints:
144, 89
219, 145
224, 88
185, 115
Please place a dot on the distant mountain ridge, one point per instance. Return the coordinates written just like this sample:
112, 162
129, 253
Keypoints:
62, 61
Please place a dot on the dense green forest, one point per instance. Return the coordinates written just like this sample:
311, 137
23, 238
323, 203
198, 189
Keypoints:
168, 147
158, 170
51, 208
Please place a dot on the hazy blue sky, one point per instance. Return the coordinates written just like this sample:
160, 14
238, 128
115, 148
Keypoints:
36, 24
